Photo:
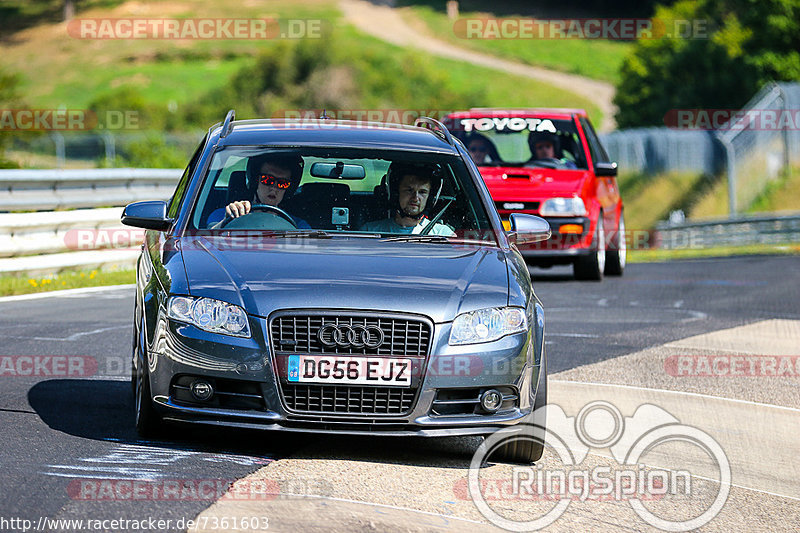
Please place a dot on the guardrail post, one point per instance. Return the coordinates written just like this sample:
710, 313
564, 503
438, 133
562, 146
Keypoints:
61, 154
111, 148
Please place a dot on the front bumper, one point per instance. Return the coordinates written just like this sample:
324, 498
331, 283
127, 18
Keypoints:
562, 247
509, 363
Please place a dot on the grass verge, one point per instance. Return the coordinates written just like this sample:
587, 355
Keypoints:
658, 255
565, 55
12, 285
649, 199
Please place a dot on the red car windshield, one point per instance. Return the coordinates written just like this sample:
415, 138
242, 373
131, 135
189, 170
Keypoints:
518, 141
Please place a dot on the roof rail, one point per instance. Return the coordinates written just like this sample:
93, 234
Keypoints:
436, 128
227, 126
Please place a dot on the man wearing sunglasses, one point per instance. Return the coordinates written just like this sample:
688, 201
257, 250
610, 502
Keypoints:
275, 179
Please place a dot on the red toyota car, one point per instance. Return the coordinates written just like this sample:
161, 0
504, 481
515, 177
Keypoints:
550, 163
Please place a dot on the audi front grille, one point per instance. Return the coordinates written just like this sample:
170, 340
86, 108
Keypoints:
347, 334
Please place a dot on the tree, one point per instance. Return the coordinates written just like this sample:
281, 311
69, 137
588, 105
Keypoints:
9, 99
747, 43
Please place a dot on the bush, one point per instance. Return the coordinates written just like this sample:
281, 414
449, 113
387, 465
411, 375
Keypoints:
333, 73
150, 151
749, 43
126, 99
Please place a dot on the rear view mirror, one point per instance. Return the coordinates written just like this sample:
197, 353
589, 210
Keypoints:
338, 170
605, 168
526, 229
147, 215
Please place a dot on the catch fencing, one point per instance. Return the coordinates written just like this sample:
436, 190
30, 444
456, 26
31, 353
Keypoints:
750, 154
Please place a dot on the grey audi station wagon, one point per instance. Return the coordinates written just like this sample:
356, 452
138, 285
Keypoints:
337, 277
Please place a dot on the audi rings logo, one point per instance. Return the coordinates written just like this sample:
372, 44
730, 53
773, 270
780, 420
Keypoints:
345, 335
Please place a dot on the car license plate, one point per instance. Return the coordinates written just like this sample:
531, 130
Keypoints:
349, 370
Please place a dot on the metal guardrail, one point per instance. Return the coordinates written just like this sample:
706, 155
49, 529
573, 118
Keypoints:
739, 231
47, 190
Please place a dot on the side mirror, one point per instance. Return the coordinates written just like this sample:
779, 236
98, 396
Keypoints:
605, 168
526, 229
147, 215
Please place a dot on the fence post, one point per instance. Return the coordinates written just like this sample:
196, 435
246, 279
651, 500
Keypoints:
730, 158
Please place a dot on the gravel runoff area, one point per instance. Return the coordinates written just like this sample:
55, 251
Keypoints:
709, 364
421, 485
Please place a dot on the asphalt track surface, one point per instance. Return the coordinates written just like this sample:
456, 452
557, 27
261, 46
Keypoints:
60, 432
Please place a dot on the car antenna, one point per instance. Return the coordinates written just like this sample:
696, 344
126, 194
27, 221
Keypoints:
324, 115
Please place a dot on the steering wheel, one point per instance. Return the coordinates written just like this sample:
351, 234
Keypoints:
549, 162
259, 209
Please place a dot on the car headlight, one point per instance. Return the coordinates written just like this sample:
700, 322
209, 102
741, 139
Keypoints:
486, 325
210, 315
555, 207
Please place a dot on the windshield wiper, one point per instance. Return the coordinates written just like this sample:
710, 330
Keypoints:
313, 234
416, 238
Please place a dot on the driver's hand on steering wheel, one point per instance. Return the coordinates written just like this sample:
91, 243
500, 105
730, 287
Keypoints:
237, 209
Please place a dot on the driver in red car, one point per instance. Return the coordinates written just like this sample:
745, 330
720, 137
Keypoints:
545, 145
272, 179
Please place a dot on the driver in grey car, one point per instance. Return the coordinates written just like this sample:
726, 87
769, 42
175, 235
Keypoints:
270, 179
413, 192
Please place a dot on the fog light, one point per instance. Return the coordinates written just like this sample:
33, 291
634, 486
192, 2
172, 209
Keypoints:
491, 400
202, 390
575, 229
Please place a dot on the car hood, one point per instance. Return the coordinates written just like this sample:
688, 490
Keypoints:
515, 183
435, 280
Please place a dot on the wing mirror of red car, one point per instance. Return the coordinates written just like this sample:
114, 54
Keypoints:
147, 215
526, 229
606, 169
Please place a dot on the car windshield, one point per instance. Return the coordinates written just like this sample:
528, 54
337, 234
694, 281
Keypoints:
517, 141
325, 193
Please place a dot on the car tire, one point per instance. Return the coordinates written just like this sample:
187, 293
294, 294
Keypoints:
529, 449
617, 256
591, 266
148, 421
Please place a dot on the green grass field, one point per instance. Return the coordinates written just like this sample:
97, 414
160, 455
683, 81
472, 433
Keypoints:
656, 255
598, 59
174, 74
